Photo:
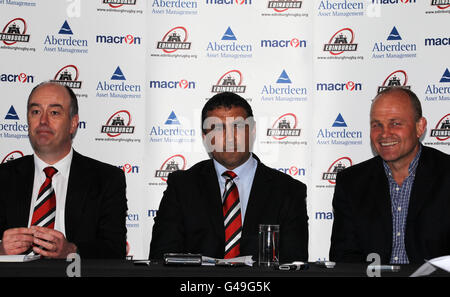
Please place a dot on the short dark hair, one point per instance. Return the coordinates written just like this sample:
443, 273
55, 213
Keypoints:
73, 98
227, 100
415, 102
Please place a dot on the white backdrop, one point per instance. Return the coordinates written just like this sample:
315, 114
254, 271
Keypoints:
148, 67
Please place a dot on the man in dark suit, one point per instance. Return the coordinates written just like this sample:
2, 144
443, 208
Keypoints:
192, 216
397, 203
82, 207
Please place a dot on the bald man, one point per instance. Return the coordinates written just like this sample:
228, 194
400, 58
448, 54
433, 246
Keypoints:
56, 201
397, 203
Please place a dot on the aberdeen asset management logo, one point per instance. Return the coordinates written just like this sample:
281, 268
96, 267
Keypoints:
172, 131
339, 134
228, 47
68, 76
65, 42
395, 47
118, 87
13, 127
347, 8
15, 31
283, 90
170, 7
231, 81
175, 39
439, 92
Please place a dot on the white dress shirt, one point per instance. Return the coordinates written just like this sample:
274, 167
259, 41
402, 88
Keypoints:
244, 180
59, 182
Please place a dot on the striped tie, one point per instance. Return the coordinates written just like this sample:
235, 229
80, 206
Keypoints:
45, 207
232, 216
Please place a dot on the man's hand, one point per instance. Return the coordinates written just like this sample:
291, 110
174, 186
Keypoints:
51, 243
16, 241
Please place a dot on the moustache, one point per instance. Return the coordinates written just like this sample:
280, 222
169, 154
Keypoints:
389, 139
43, 129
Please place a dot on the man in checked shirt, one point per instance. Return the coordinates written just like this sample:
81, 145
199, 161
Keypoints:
396, 204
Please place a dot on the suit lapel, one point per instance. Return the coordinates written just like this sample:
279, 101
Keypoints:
79, 178
258, 196
210, 192
24, 190
423, 182
379, 189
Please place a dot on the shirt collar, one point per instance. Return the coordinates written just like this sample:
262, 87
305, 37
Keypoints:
63, 165
245, 167
412, 166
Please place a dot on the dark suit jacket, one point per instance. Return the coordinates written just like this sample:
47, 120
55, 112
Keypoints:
95, 209
190, 217
363, 217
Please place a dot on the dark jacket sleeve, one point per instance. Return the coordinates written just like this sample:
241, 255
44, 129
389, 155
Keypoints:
294, 225
344, 247
168, 231
109, 237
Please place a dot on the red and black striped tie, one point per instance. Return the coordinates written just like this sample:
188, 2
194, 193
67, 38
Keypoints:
232, 216
45, 207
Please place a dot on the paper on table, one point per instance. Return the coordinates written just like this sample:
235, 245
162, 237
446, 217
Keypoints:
430, 266
425, 269
19, 258
442, 262
245, 260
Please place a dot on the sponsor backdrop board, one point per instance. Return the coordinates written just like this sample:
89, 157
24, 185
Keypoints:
142, 71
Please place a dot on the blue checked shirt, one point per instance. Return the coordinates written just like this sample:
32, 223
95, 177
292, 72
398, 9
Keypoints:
399, 207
